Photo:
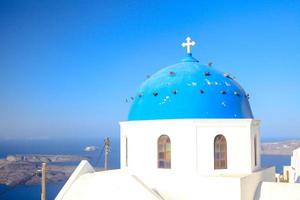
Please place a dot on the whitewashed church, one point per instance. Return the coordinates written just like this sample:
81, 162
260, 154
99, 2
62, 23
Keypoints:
190, 135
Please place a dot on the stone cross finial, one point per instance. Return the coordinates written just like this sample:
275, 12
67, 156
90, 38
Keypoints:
188, 44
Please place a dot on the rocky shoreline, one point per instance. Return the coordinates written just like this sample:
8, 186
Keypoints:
24, 169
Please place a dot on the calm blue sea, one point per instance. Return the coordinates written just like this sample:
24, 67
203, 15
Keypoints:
76, 146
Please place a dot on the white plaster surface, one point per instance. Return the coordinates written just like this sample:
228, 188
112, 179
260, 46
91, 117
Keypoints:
114, 184
165, 184
279, 191
192, 143
295, 166
84, 167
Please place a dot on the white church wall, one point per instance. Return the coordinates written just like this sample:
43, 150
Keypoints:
295, 165
142, 140
255, 135
238, 138
192, 144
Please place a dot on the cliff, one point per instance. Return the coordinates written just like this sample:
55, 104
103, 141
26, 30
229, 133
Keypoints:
24, 169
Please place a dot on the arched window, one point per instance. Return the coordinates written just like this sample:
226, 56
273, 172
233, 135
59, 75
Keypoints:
164, 152
220, 152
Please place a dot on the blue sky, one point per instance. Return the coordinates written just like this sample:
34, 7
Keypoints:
66, 67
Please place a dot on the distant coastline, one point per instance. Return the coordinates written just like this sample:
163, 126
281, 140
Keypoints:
24, 169
280, 147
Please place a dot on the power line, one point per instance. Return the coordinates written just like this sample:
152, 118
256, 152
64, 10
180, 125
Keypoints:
101, 153
106, 149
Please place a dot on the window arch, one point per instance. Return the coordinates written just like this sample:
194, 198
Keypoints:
220, 152
164, 152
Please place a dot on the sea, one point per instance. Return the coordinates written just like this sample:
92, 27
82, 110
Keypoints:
76, 147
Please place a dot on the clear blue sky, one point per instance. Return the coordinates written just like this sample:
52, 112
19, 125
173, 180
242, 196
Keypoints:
66, 67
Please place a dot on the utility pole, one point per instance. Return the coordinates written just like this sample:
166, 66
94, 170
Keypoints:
43, 182
107, 145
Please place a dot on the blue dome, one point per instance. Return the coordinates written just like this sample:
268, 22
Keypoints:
189, 90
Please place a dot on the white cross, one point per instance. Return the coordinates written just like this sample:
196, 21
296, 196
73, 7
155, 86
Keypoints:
188, 44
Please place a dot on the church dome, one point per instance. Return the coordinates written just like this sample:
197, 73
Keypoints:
189, 90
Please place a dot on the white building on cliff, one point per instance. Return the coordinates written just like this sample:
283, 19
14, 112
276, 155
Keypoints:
190, 134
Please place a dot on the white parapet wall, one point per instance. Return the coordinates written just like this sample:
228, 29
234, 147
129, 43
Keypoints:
161, 184
109, 185
83, 168
278, 191
189, 186
295, 166
250, 183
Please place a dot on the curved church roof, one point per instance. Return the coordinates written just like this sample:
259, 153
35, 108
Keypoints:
189, 89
